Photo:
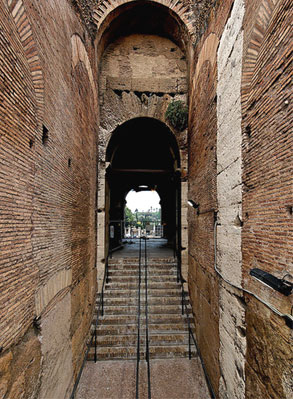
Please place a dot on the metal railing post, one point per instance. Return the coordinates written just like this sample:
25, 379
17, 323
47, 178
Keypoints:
147, 323
138, 323
182, 299
107, 271
189, 343
95, 345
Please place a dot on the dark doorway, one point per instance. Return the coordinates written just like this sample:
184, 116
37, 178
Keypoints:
143, 155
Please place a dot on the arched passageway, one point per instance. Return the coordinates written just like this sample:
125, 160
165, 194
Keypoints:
143, 155
143, 52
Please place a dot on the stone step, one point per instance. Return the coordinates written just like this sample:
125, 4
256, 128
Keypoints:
134, 266
127, 301
117, 329
130, 352
152, 309
127, 271
135, 276
131, 319
160, 285
131, 339
135, 260
134, 272
154, 293
160, 328
134, 279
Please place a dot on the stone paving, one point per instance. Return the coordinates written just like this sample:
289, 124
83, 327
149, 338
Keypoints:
170, 379
157, 247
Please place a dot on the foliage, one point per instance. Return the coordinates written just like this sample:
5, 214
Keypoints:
177, 115
141, 218
129, 217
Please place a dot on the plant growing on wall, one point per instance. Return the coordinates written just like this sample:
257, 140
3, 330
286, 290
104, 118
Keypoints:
177, 115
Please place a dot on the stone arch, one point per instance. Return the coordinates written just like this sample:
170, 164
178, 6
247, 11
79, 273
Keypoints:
24, 28
157, 120
265, 13
133, 95
102, 13
132, 85
143, 151
79, 54
161, 120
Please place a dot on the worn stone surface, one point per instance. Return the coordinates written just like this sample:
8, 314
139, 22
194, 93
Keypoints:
269, 367
174, 379
81, 316
56, 351
20, 369
229, 195
5, 373
139, 75
262, 232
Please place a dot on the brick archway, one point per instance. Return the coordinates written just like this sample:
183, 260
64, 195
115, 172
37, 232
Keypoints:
182, 11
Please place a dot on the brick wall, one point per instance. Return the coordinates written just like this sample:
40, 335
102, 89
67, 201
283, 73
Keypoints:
259, 341
19, 272
47, 202
267, 194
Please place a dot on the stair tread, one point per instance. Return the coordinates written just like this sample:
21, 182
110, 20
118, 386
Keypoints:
117, 329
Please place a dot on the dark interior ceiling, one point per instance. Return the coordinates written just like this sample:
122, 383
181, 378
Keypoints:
143, 144
146, 18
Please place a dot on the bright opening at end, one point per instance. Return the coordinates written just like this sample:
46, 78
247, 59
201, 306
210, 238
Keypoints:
142, 215
143, 201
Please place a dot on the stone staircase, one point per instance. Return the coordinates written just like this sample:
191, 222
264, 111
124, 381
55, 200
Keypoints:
117, 329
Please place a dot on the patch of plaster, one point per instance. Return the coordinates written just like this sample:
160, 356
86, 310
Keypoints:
47, 292
57, 372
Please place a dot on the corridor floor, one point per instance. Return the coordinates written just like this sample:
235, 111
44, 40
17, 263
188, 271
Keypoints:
170, 379
157, 247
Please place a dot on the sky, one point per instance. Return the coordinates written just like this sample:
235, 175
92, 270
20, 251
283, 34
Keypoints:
142, 200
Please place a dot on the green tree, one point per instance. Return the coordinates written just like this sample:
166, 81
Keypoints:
129, 217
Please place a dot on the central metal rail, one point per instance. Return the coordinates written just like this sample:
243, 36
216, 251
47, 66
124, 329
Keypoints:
147, 349
147, 352
138, 322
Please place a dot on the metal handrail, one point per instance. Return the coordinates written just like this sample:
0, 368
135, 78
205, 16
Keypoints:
138, 322
94, 334
147, 349
184, 306
190, 333
101, 303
